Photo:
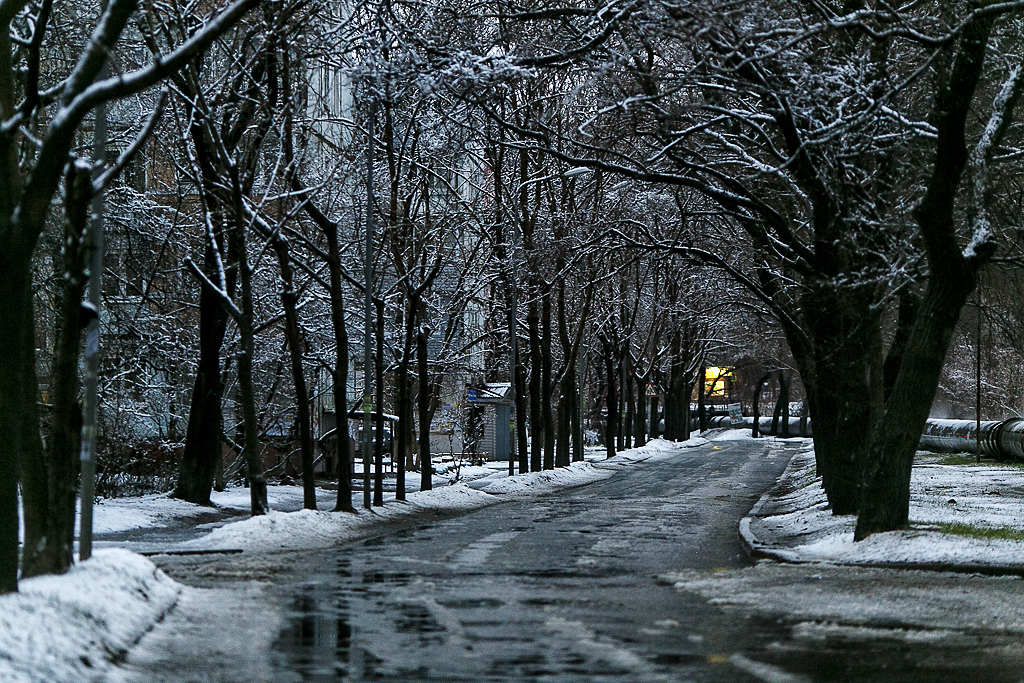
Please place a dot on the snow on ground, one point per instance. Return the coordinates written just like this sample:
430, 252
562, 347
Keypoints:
70, 627
113, 515
792, 521
731, 435
308, 529
831, 597
864, 603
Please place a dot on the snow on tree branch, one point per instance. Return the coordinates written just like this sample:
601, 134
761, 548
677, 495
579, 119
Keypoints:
981, 155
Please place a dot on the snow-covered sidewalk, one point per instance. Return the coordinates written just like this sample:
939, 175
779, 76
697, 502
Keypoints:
963, 517
77, 626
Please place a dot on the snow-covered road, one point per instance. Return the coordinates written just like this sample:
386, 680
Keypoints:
561, 587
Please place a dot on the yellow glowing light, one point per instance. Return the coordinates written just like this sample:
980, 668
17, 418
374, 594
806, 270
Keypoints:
715, 380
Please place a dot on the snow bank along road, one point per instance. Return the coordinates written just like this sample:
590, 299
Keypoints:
562, 587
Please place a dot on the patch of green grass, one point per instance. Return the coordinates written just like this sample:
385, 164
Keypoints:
960, 459
1002, 533
966, 459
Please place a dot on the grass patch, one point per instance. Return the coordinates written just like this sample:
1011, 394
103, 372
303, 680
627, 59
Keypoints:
961, 459
968, 459
1002, 533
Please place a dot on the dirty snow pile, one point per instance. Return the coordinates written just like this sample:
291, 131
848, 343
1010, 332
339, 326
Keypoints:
308, 529
792, 522
70, 627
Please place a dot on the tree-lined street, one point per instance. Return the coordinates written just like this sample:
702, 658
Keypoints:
538, 234
578, 586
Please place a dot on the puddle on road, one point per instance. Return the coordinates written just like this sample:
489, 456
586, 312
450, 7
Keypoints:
456, 632
470, 603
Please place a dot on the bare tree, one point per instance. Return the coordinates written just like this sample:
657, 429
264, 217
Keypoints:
42, 116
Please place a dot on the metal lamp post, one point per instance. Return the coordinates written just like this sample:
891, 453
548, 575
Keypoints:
368, 305
90, 409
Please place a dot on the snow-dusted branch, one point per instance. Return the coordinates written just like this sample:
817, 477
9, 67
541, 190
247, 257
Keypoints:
979, 162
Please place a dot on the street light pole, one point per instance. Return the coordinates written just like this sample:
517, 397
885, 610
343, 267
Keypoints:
581, 370
90, 408
512, 304
977, 377
368, 306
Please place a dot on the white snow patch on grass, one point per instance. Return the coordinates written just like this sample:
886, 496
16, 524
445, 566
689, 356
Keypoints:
983, 497
113, 515
306, 529
534, 483
74, 626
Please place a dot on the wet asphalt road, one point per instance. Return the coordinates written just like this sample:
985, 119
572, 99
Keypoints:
558, 588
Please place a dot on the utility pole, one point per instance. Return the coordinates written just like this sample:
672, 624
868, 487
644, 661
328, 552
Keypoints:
92, 341
513, 362
977, 377
581, 369
368, 306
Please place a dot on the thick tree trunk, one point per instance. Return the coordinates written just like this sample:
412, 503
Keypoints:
519, 377
885, 505
203, 433
19, 419
655, 430
48, 546
289, 300
755, 400
780, 416
378, 384
844, 389
627, 387
522, 445
562, 431
685, 417
669, 431
253, 455
343, 450
568, 408
675, 408
702, 410
620, 405
845, 408
671, 387
577, 424
404, 403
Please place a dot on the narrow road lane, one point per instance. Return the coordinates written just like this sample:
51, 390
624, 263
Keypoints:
559, 588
